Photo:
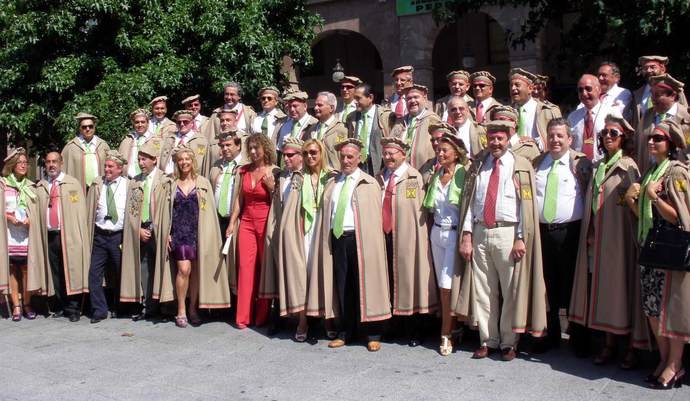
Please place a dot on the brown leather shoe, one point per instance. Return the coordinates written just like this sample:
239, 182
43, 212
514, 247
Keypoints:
337, 343
508, 354
481, 352
373, 346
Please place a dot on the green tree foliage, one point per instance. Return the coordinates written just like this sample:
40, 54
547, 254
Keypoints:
109, 57
618, 30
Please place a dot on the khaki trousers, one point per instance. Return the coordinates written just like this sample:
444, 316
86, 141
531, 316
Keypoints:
493, 268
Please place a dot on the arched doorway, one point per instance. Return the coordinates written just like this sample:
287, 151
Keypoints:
356, 54
475, 42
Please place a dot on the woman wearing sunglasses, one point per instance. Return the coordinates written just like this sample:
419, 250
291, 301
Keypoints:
605, 288
663, 193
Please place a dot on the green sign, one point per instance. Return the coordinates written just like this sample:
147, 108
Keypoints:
412, 7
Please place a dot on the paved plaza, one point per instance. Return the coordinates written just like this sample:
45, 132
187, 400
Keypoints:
117, 359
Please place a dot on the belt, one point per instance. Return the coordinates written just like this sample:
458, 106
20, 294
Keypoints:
53, 232
107, 232
347, 233
500, 224
447, 227
557, 226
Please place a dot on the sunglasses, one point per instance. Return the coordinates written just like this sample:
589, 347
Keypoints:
656, 138
311, 152
613, 133
183, 122
290, 155
347, 87
86, 126
267, 98
481, 86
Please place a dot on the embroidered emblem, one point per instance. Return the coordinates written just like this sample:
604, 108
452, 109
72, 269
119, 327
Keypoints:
73, 196
157, 145
339, 138
526, 192
411, 193
203, 204
681, 185
135, 202
483, 141
201, 150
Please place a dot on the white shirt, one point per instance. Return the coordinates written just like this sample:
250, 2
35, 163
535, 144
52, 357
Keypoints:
133, 159
446, 214
349, 217
227, 168
286, 186
347, 109
170, 167
241, 118
120, 194
618, 98
286, 129
577, 121
398, 174
530, 120
57, 205
198, 121
93, 142
507, 201
570, 200
464, 134
153, 126
259, 120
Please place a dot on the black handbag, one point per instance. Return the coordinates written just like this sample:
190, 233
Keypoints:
667, 247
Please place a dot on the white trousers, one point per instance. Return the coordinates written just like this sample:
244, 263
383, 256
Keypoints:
493, 269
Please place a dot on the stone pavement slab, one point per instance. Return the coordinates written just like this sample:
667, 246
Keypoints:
117, 359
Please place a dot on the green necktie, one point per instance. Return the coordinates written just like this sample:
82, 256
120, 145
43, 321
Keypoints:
90, 163
295, 129
346, 112
364, 137
322, 127
551, 193
224, 189
140, 143
264, 126
411, 128
522, 123
340, 208
649, 102
146, 205
110, 203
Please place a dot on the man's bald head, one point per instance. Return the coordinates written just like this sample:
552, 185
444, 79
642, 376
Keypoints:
588, 90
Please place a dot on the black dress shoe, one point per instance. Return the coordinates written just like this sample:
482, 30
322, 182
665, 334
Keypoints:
414, 342
58, 314
138, 316
96, 319
74, 318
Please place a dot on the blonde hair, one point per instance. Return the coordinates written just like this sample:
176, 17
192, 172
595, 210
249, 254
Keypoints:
322, 149
195, 167
9, 166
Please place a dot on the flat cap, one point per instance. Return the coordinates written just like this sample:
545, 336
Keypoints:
190, 99
404, 68
417, 87
269, 89
151, 148
541, 79
115, 156
158, 99
227, 110
227, 135
616, 117
291, 142
15, 153
139, 112
659, 59
179, 113
85, 116
458, 74
395, 142
504, 112
667, 81
673, 131
483, 76
442, 126
499, 126
180, 149
524, 75
296, 95
352, 79
453, 141
349, 142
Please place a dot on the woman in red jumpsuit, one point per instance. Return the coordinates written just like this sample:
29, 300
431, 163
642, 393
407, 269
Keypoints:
251, 207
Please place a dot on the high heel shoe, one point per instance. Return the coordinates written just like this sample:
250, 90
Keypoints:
651, 378
675, 382
446, 347
17, 316
30, 314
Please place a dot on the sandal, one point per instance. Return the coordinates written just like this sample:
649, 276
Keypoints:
605, 355
446, 347
181, 321
30, 314
16, 317
301, 337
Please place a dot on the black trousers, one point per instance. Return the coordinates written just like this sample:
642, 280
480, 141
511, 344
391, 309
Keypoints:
346, 274
105, 255
148, 265
68, 304
224, 223
409, 325
559, 244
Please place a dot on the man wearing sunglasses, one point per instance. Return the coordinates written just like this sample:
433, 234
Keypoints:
458, 85
347, 92
271, 118
299, 122
193, 104
84, 156
482, 86
187, 136
588, 121
665, 94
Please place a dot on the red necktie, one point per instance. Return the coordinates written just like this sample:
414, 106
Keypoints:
588, 137
480, 112
399, 112
491, 196
388, 205
54, 205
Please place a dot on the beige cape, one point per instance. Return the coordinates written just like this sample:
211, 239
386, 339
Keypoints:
421, 149
73, 159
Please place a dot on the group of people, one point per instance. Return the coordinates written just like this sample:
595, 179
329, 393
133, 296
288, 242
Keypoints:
370, 216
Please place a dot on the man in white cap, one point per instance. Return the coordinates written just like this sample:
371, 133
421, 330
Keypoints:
482, 87
458, 85
347, 92
299, 121
159, 124
402, 78
184, 135
193, 104
84, 156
